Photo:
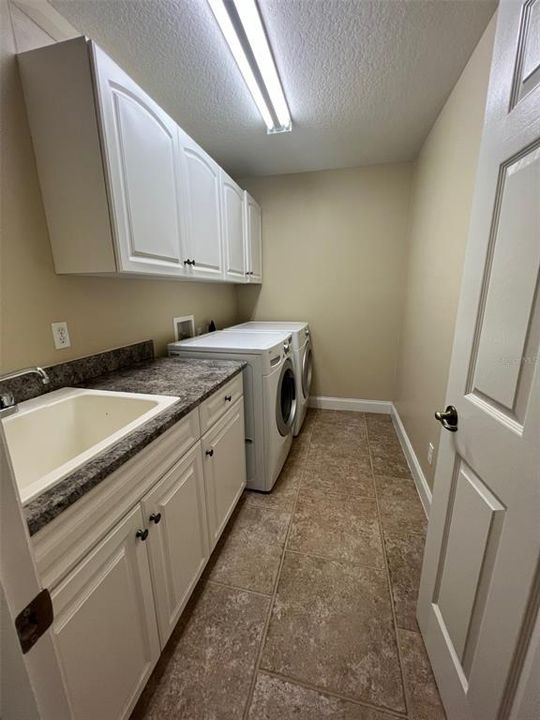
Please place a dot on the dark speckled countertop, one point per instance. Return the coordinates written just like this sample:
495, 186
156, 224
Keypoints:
192, 381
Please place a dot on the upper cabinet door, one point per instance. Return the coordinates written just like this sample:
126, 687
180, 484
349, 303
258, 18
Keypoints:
253, 233
233, 230
142, 161
203, 217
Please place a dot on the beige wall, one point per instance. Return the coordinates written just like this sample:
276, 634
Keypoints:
336, 254
440, 210
333, 254
101, 313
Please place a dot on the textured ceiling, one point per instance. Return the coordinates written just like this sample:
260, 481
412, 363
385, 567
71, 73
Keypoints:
365, 80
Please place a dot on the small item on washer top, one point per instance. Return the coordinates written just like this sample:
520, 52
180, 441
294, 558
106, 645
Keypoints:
212, 326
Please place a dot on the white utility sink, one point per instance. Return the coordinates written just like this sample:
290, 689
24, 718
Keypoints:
51, 436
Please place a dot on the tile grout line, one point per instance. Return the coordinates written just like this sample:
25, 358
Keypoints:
267, 596
266, 625
388, 580
332, 693
296, 681
362, 566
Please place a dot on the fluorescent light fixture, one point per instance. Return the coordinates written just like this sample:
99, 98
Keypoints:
242, 27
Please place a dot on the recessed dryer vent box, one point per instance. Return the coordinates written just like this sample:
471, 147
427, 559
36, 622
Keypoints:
184, 327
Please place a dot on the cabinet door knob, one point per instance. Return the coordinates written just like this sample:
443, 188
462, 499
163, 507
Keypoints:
155, 518
193, 262
142, 534
210, 453
228, 398
187, 262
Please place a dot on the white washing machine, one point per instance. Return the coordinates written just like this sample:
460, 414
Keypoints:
269, 394
302, 358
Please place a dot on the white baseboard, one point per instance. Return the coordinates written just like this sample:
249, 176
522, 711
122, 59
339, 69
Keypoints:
421, 483
352, 404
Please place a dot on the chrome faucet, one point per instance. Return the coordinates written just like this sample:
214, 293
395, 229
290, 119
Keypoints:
7, 401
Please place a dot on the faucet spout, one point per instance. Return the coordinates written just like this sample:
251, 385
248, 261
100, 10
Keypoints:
27, 371
8, 405
43, 375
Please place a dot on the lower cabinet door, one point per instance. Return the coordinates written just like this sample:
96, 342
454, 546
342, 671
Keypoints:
224, 460
105, 625
175, 514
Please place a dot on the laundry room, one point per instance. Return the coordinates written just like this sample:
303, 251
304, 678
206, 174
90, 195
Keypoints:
269, 385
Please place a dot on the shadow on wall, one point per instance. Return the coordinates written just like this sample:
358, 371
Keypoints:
250, 299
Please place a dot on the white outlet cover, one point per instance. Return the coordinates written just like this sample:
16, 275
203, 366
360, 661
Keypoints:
60, 335
430, 453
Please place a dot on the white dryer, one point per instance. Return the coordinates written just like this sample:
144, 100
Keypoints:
269, 394
302, 358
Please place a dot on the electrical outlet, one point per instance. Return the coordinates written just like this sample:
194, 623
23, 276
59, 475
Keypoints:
430, 450
60, 335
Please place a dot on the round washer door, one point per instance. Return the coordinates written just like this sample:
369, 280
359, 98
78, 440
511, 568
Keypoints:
307, 370
286, 399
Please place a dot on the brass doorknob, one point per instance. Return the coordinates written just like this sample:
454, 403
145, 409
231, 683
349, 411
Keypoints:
448, 418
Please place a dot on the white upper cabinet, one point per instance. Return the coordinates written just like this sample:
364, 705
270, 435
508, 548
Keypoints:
233, 229
204, 257
141, 149
253, 239
125, 190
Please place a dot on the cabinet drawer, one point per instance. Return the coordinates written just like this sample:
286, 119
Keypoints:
217, 404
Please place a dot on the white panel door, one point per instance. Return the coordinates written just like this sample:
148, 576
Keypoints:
253, 238
480, 587
224, 461
143, 167
36, 683
204, 256
233, 230
105, 625
175, 514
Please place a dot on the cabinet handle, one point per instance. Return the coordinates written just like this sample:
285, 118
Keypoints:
228, 398
210, 453
142, 534
155, 518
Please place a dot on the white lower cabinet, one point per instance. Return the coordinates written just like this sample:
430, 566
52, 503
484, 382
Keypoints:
105, 625
175, 515
224, 468
115, 610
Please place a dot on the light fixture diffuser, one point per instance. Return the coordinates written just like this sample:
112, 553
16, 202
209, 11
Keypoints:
241, 24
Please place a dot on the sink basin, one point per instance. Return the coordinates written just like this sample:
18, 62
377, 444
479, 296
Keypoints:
51, 436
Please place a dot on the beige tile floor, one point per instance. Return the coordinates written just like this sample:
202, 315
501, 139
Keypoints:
307, 608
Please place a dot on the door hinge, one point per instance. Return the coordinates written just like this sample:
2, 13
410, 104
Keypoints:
35, 619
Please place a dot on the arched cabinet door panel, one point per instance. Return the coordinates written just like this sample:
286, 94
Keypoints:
233, 230
140, 144
253, 238
203, 217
